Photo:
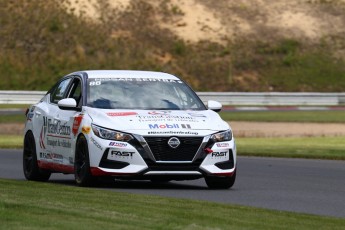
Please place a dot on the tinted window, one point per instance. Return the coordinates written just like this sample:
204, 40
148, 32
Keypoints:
132, 93
60, 90
76, 90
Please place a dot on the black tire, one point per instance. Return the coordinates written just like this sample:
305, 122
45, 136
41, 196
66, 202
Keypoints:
82, 172
30, 165
220, 182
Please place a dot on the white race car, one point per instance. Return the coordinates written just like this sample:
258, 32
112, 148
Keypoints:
127, 125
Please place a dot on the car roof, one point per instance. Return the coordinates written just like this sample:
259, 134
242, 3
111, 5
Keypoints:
128, 74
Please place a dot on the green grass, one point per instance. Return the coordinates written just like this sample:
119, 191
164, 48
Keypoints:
17, 118
32, 205
286, 116
301, 147
11, 141
288, 65
14, 106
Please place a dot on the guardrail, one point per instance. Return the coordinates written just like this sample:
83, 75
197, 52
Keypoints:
275, 98
20, 97
226, 98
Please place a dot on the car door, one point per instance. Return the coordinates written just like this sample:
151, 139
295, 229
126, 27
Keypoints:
54, 132
70, 121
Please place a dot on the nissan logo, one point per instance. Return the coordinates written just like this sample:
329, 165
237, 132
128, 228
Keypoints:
174, 142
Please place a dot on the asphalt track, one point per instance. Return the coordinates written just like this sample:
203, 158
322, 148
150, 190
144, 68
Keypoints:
298, 185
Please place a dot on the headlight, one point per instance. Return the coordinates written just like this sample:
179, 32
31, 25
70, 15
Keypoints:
110, 134
222, 136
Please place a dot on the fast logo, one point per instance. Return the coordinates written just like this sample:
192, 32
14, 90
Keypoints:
122, 154
219, 154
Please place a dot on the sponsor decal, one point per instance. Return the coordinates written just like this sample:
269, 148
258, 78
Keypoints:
41, 139
219, 154
120, 114
185, 126
51, 156
85, 129
59, 143
163, 126
117, 144
196, 114
222, 145
164, 116
174, 142
76, 123
159, 112
45, 155
169, 126
55, 127
122, 154
29, 116
172, 133
96, 143
43, 132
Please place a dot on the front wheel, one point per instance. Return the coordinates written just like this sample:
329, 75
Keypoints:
30, 165
220, 182
82, 172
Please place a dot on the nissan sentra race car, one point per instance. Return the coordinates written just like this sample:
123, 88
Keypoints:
127, 125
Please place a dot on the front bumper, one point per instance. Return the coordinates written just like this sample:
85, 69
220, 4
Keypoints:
149, 157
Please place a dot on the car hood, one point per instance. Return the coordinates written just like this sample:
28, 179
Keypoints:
157, 122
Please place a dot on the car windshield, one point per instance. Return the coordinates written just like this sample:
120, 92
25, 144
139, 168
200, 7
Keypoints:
141, 93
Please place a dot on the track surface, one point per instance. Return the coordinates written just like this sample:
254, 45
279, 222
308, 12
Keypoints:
306, 186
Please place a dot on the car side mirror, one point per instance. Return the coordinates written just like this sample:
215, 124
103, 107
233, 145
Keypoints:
68, 104
214, 105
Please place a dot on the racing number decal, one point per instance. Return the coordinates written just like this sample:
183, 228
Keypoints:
92, 83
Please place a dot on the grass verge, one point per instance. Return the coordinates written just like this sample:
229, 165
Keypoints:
63, 207
11, 141
14, 106
286, 116
14, 118
293, 147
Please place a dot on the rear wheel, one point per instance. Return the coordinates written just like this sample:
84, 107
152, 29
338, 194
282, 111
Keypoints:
30, 165
82, 172
221, 182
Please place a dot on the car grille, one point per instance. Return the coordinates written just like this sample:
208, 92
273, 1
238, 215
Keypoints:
184, 152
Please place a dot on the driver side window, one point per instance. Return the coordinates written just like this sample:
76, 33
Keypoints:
60, 91
75, 91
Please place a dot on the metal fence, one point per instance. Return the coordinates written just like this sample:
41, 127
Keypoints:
226, 98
